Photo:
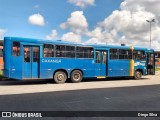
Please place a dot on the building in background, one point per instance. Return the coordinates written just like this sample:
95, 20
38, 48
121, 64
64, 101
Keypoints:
1, 55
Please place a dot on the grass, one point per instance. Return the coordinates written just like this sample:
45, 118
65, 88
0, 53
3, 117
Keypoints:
1, 74
157, 69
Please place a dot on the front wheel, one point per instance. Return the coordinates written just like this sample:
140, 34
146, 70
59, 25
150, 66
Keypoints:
60, 77
138, 75
76, 76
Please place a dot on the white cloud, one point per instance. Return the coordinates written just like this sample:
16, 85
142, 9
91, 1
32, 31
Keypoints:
82, 3
36, 19
98, 35
52, 36
70, 36
156, 44
2, 32
139, 30
141, 5
128, 25
76, 23
133, 26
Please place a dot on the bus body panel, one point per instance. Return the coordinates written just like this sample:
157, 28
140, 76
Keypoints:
118, 68
140, 65
16, 67
6, 57
50, 65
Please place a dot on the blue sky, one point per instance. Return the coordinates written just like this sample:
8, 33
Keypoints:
87, 21
15, 13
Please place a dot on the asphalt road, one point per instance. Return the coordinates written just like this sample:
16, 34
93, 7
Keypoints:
117, 95
142, 98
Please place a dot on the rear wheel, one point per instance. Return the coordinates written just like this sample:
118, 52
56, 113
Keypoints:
60, 77
138, 75
76, 76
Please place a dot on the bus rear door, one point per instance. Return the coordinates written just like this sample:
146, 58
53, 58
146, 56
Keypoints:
150, 64
101, 63
31, 61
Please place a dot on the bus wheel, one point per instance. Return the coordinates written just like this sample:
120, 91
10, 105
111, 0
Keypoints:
76, 76
60, 77
138, 75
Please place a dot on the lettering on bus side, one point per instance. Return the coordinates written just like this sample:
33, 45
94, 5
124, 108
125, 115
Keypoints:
51, 61
139, 63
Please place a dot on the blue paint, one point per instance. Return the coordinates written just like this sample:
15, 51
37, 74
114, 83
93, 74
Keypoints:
15, 66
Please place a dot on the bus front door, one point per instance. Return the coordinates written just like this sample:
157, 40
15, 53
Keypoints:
31, 62
101, 63
150, 64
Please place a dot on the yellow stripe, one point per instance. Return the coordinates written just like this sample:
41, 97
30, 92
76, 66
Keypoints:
100, 77
132, 48
132, 67
132, 64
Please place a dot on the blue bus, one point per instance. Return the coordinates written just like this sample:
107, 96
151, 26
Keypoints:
26, 58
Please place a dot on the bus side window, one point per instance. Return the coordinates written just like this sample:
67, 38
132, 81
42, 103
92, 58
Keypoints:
16, 49
125, 54
114, 54
60, 51
35, 54
97, 56
70, 51
48, 50
84, 52
79, 52
91, 53
26, 54
104, 56
138, 55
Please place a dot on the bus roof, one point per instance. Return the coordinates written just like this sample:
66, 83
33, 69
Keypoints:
40, 41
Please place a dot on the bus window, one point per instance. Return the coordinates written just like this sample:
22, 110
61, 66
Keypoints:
26, 54
84, 52
48, 50
104, 56
98, 57
89, 52
60, 51
35, 54
125, 54
157, 54
114, 54
65, 51
70, 51
16, 49
138, 55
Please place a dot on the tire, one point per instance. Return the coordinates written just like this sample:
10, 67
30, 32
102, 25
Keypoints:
138, 75
60, 77
76, 76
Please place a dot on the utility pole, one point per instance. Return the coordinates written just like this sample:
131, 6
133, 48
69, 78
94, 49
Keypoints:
150, 23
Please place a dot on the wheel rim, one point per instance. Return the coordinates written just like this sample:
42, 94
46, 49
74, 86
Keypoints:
138, 75
60, 77
76, 76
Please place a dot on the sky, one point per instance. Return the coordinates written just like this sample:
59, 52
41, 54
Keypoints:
112, 22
